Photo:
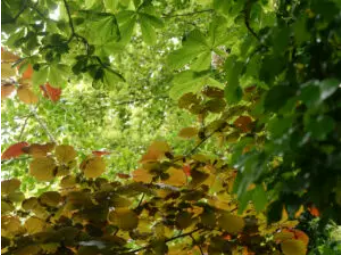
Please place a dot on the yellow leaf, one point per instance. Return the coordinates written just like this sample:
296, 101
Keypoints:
283, 235
155, 152
26, 95
231, 223
50, 198
68, 181
65, 153
9, 186
177, 177
124, 218
6, 90
293, 247
35, 225
10, 225
43, 168
7, 71
188, 132
38, 150
93, 167
142, 175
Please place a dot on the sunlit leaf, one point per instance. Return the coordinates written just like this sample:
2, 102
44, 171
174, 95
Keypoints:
43, 168
26, 95
14, 150
6, 90
39, 150
293, 247
231, 223
65, 153
93, 167
124, 218
8, 186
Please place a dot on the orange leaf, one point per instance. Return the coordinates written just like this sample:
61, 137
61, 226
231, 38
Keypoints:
27, 75
6, 90
14, 150
101, 153
155, 151
123, 176
26, 95
51, 92
187, 170
298, 235
314, 211
142, 175
243, 123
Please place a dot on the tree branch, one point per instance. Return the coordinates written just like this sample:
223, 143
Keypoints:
195, 243
44, 126
247, 10
186, 14
166, 241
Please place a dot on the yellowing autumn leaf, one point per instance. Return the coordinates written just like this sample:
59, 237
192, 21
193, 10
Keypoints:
8, 186
38, 150
65, 153
26, 95
10, 225
6, 90
142, 175
50, 198
293, 247
7, 71
43, 168
35, 225
155, 152
177, 177
231, 223
93, 167
124, 218
188, 132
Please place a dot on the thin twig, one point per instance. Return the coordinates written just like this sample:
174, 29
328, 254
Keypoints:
187, 14
23, 128
166, 241
23, 8
195, 243
247, 11
44, 126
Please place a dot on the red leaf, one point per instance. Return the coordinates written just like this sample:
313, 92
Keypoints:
50, 92
14, 150
101, 153
314, 211
187, 170
243, 123
123, 176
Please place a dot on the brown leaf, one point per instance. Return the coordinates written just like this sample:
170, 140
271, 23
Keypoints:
39, 150
43, 168
101, 153
155, 152
231, 223
188, 132
93, 167
124, 218
51, 92
8, 186
50, 198
7, 56
177, 177
243, 123
35, 225
142, 175
14, 150
6, 90
26, 95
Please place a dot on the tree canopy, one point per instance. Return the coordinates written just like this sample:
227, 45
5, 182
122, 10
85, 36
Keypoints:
170, 126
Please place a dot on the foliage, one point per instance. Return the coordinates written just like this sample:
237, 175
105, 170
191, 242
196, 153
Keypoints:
90, 215
260, 79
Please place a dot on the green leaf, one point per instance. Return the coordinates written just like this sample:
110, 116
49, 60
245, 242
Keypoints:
328, 87
320, 126
148, 32
203, 62
40, 77
183, 56
259, 198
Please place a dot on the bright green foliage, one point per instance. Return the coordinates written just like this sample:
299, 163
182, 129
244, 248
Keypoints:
254, 85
